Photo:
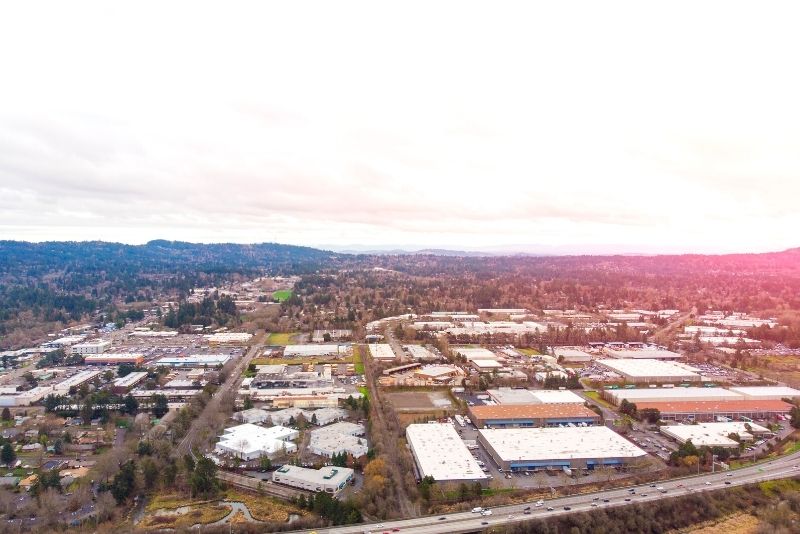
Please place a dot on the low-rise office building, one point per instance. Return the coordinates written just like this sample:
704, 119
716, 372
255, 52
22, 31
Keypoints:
250, 442
91, 347
328, 479
75, 381
338, 438
766, 392
530, 449
533, 396
381, 351
532, 415
616, 396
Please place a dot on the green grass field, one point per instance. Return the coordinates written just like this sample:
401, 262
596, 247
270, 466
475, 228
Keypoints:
529, 352
364, 391
358, 363
282, 295
282, 338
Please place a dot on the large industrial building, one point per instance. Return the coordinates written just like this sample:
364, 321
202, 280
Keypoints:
571, 354
532, 415
315, 351
419, 352
250, 442
381, 351
75, 381
440, 453
474, 353
228, 338
533, 396
714, 434
328, 479
196, 360
636, 396
711, 410
643, 353
767, 392
649, 371
24, 398
338, 438
529, 449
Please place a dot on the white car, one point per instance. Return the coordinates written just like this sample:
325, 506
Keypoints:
486, 512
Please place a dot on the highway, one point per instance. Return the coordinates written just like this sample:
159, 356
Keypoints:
502, 515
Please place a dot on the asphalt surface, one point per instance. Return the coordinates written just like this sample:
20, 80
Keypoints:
785, 467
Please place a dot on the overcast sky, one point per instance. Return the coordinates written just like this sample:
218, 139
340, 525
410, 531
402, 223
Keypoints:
599, 126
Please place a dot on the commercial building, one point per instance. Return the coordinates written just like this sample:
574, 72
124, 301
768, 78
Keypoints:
647, 352
485, 366
616, 396
24, 398
502, 310
767, 392
714, 434
571, 354
474, 353
529, 449
91, 347
250, 442
381, 351
172, 395
328, 479
338, 438
305, 401
314, 351
228, 338
61, 342
440, 453
533, 396
292, 377
154, 333
253, 416
75, 381
711, 410
195, 360
114, 358
532, 415
649, 371
420, 352
125, 383
325, 336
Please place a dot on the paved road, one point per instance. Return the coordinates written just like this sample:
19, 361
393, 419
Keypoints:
788, 466
213, 405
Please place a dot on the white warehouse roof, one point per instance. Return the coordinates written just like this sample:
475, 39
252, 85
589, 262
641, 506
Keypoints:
672, 394
538, 396
381, 351
589, 442
440, 453
713, 434
643, 368
475, 353
767, 392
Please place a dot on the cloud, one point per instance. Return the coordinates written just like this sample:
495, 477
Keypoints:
359, 123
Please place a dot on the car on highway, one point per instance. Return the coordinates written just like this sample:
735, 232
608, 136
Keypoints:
550, 508
708, 483
477, 510
442, 518
728, 482
594, 505
567, 508
484, 522
486, 512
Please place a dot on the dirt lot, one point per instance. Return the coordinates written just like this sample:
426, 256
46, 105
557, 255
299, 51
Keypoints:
419, 401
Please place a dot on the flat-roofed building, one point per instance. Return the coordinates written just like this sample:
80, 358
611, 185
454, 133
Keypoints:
195, 360
316, 351
651, 371
530, 449
714, 434
767, 392
504, 311
98, 346
228, 338
571, 354
125, 383
420, 352
381, 351
154, 333
250, 442
474, 353
485, 366
25, 398
532, 415
338, 438
253, 416
533, 396
328, 479
66, 341
647, 353
114, 358
75, 381
325, 336
440, 453
710, 410
172, 395
636, 396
